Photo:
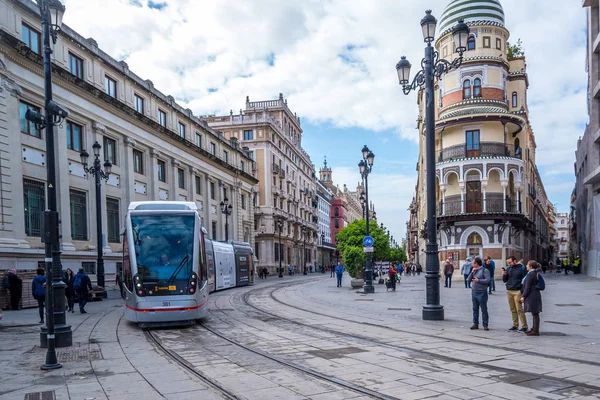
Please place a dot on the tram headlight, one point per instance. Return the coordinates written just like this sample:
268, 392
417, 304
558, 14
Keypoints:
139, 285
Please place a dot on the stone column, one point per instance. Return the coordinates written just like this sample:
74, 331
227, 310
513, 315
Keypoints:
461, 185
62, 191
504, 183
443, 188
153, 174
127, 163
519, 207
484, 183
12, 232
174, 182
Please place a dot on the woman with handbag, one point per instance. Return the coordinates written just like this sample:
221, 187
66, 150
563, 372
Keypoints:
532, 298
69, 292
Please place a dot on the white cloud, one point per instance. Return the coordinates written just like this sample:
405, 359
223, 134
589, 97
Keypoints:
335, 62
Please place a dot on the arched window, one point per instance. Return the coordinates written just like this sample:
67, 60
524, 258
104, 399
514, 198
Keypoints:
474, 238
336, 212
518, 150
336, 223
477, 88
514, 100
562, 221
467, 89
471, 43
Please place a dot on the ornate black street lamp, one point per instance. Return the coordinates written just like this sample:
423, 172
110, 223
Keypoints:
226, 210
365, 166
56, 333
304, 250
362, 203
279, 228
99, 174
433, 67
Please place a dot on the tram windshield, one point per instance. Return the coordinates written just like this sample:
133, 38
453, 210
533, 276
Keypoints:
164, 247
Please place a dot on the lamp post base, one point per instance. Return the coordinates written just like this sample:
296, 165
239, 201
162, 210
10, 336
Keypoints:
433, 313
369, 289
62, 333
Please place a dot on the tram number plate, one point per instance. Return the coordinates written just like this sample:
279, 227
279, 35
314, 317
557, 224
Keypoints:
166, 304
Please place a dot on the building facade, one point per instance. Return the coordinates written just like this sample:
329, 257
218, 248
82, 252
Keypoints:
563, 235
325, 248
158, 150
586, 196
272, 135
491, 200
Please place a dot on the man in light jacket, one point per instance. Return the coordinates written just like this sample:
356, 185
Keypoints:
479, 293
466, 269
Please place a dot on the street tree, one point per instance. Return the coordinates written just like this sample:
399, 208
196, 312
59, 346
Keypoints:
352, 236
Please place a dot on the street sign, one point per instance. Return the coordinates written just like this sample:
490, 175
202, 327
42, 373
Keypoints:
368, 249
368, 241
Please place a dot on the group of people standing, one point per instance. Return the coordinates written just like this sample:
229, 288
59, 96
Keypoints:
79, 284
523, 289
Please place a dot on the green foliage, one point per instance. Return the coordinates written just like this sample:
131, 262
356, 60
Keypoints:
352, 237
397, 255
353, 259
515, 50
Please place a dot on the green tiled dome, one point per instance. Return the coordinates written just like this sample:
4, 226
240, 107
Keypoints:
471, 11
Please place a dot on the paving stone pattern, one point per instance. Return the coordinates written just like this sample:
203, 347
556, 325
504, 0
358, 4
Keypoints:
378, 342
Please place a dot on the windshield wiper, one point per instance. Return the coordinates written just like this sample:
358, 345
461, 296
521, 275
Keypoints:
178, 268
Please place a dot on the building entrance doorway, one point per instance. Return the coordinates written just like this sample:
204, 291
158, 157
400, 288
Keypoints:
474, 245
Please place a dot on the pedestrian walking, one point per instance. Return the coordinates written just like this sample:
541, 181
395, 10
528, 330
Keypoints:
339, 272
414, 269
479, 293
392, 274
260, 273
466, 269
290, 270
419, 269
82, 286
69, 280
532, 296
448, 271
513, 276
39, 291
15, 286
331, 271
491, 266
265, 272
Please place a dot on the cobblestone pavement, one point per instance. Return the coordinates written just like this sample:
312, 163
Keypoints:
304, 338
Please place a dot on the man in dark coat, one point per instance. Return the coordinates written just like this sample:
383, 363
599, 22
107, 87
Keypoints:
82, 286
448, 271
532, 298
16, 289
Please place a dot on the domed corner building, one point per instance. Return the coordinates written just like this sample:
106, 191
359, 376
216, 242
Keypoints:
491, 201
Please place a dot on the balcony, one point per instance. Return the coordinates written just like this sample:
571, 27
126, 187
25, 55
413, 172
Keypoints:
485, 149
488, 206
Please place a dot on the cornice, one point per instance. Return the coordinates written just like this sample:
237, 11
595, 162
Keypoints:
91, 93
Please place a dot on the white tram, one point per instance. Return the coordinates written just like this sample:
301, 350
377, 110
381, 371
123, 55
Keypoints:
169, 268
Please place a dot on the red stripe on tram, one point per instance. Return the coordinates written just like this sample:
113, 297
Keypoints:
166, 309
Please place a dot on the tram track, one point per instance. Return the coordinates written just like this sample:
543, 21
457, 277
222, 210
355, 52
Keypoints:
435, 354
179, 360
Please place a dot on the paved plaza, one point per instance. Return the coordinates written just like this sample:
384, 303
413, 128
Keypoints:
302, 337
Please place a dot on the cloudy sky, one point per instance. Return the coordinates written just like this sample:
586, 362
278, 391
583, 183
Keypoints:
334, 60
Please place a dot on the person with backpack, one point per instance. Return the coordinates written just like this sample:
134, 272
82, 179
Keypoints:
513, 276
82, 285
533, 284
39, 291
339, 272
466, 269
490, 265
15, 286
